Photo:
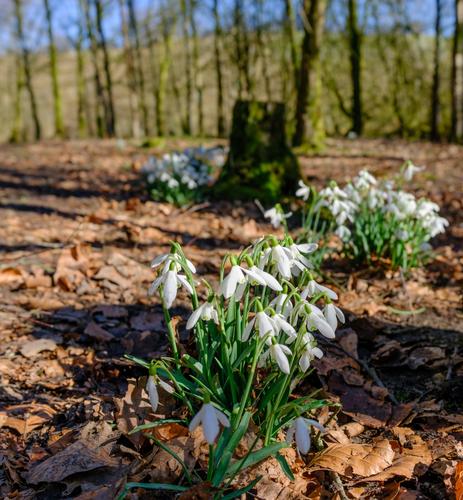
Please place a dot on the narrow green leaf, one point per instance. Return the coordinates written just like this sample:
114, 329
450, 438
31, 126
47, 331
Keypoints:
285, 466
238, 493
255, 457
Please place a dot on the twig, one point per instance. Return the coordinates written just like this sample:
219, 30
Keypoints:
339, 486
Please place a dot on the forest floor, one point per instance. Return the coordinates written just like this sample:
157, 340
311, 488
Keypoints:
77, 234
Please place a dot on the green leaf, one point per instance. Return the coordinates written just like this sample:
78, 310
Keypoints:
238, 493
285, 466
138, 361
151, 486
255, 457
163, 421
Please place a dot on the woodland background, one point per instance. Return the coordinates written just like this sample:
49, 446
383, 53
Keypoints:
139, 68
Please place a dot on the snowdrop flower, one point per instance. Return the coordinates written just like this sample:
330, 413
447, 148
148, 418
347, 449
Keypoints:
206, 312
332, 314
171, 281
167, 258
303, 191
343, 232
410, 170
310, 352
313, 318
278, 353
298, 261
152, 390
276, 216
235, 282
277, 255
280, 324
263, 324
282, 305
312, 288
364, 180
300, 431
210, 419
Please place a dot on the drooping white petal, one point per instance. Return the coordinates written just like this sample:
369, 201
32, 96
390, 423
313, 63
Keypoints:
330, 315
230, 282
159, 260
322, 326
155, 285
170, 288
183, 281
194, 318
302, 436
279, 356
290, 434
247, 330
196, 420
269, 280
307, 247
210, 423
315, 423
340, 315
223, 419
167, 387
264, 324
152, 391
255, 277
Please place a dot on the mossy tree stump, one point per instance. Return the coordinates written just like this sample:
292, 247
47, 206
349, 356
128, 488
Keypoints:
260, 163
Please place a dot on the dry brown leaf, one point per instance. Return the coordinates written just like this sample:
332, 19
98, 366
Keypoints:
11, 275
32, 348
168, 432
356, 459
412, 458
78, 457
97, 332
459, 480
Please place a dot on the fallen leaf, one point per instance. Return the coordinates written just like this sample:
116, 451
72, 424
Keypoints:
32, 348
356, 459
97, 332
459, 480
11, 275
78, 457
168, 432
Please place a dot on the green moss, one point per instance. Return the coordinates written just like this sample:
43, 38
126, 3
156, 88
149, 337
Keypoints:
153, 142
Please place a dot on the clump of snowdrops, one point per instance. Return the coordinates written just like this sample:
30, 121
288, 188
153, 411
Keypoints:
375, 218
254, 340
181, 178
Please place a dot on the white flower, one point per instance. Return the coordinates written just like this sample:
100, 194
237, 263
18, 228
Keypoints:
410, 170
266, 278
263, 324
343, 232
231, 281
332, 314
206, 312
152, 390
298, 261
235, 282
364, 180
210, 418
314, 318
300, 429
279, 257
313, 288
276, 216
167, 258
170, 281
282, 305
310, 352
303, 191
278, 353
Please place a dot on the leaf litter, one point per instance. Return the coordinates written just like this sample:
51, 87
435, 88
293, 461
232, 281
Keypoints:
74, 296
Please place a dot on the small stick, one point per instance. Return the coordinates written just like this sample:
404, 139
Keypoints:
339, 486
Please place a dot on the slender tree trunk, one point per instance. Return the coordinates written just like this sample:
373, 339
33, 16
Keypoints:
81, 94
110, 117
290, 39
242, 51
100, 101
435, 101
261, 51
130, 74
355, 48
16, 131
456, 80
198, 77
27, 68
309, 119
188, 69
57, 104
140, 77
218, 70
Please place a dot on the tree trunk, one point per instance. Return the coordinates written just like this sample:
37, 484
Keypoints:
130, 74
355, 47
290, 39
218, 71
140, 77
261, 50
435, 101
100, 101
27, 68
81, 93
110, 116
198, 77
456, 133
309, 119
57, 104
242, 51
260, 163
188, 70
16, 131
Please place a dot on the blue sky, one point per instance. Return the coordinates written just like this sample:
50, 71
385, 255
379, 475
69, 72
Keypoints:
419, 12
